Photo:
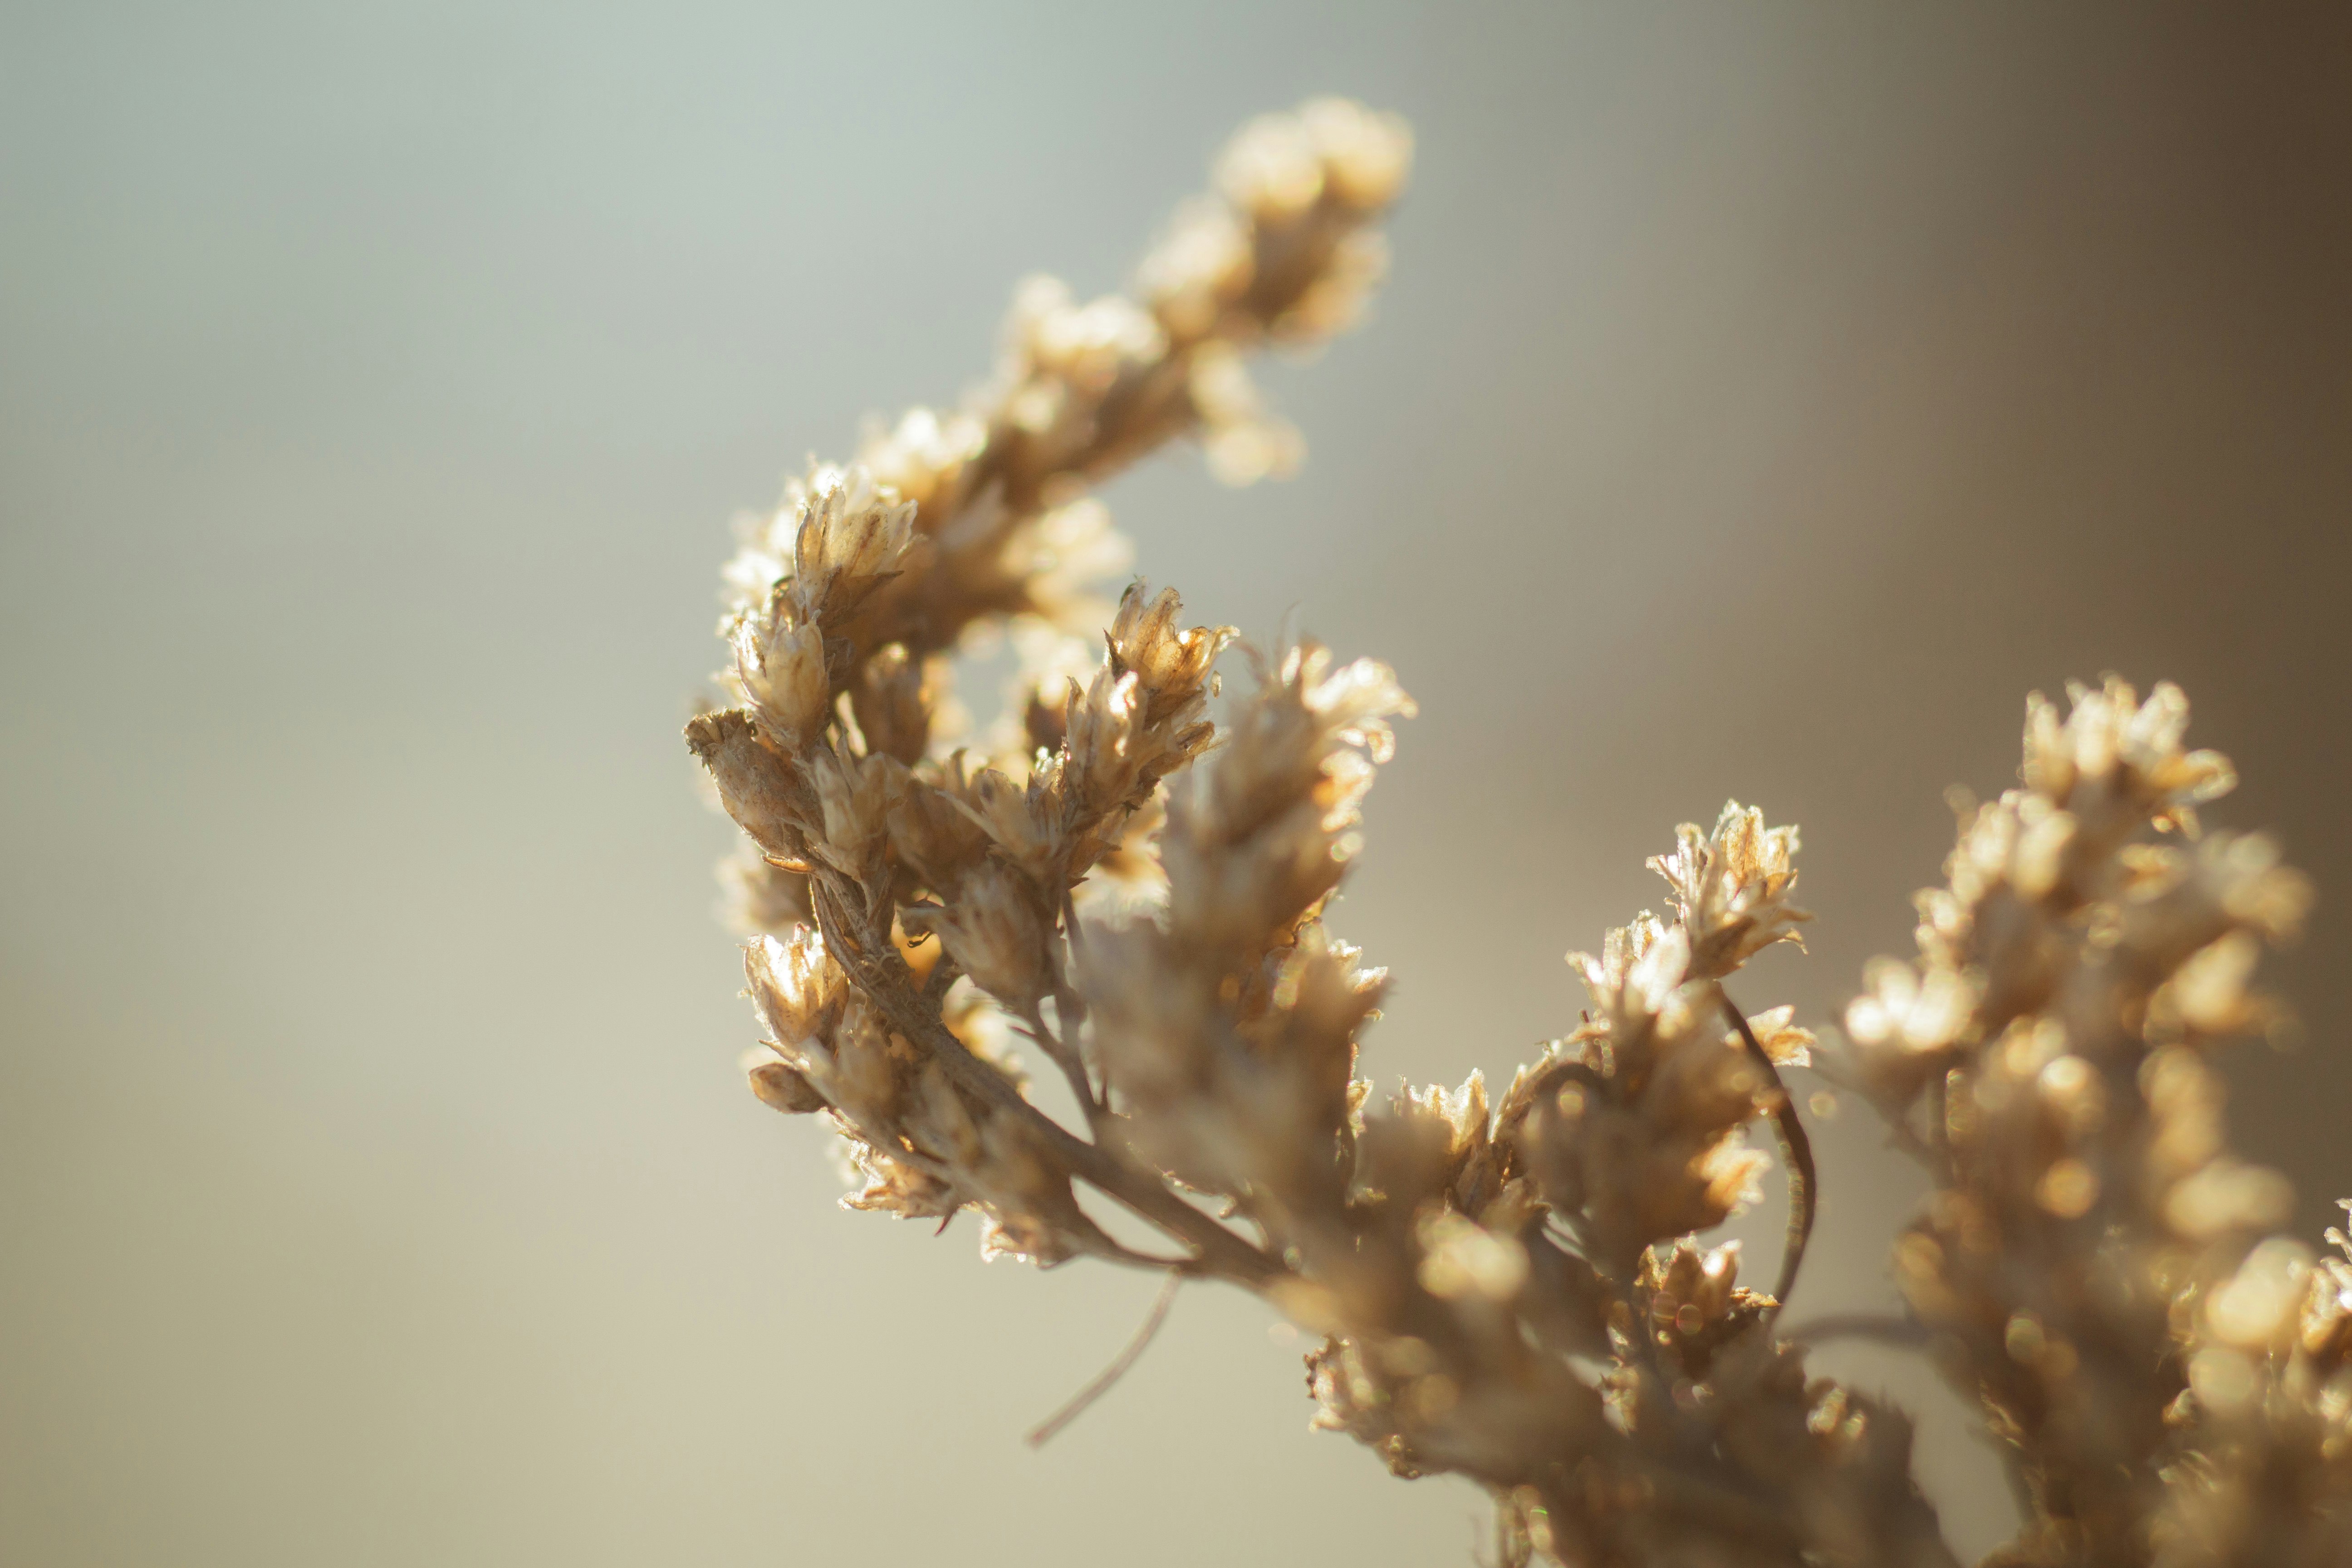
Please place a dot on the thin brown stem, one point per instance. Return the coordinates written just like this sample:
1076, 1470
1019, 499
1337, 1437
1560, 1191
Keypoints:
942, 976
1080, 1402
1074, 1071
1885, 1328
1796, 1149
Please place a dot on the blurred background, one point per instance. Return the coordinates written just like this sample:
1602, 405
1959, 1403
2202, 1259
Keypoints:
1765, 399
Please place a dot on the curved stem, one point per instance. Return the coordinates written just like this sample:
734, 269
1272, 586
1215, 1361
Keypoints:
1080, 1402
1796, 1149
1885, 1328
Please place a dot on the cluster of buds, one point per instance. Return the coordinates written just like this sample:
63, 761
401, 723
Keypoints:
1521, 1291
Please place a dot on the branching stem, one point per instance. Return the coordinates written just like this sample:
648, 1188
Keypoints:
1216, 1250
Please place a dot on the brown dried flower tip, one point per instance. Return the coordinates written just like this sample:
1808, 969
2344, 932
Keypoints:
893, 701
1788, 1042
1696, 1304
765, 801
1170, 665
1270, 830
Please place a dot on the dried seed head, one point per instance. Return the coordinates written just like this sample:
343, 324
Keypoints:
1366, 156
852, 797
755, 784
1061, 558
1271, 169
929, 830
779, 668
796, 988
1731, 889
1788, 1042
757, 895
1026, 823
1170, 664
1270, 830
1459, 1258
1641, 969
852, 536
926, 457
1245, 442
1198, 270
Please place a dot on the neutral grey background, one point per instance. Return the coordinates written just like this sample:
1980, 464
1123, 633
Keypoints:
1766, 398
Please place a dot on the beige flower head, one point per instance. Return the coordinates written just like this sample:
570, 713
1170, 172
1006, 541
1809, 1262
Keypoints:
1200, 266
1170, 662
1639, 968
852, 797
925, 457
1354, 702
1064, 346
1279, 165
796, 988
1245, 441
1901, 1007
1366, 155
1024, 822
852, 536
780, 667
1731, 888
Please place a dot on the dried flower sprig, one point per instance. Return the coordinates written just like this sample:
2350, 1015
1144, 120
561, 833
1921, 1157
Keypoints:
1520, 1292
917, 869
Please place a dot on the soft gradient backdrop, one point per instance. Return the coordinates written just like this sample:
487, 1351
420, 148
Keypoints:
1765, 399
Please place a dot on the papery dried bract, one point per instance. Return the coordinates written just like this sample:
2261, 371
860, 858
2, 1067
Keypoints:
755, 785
780, 667
852, 536
795, 986
996, 934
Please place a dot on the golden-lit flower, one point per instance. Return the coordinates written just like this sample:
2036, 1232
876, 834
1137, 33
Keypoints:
1731, 888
